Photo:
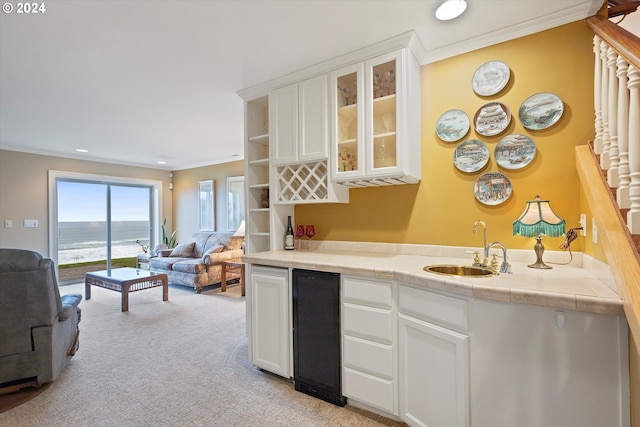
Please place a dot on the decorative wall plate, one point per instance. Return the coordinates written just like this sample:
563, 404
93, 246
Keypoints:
471, 155
540, 111
514, 151
492, 188
490, 78
492, 118
452, 125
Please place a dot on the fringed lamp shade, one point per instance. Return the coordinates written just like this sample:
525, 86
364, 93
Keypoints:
538, 220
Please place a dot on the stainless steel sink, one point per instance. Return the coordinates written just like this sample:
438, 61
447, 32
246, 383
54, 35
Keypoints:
460, 270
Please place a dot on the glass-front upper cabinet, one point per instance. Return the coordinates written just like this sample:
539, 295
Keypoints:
376, 121
347, 100
383, 113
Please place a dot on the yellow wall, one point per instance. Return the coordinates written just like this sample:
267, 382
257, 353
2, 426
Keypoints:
185, 194
441, 209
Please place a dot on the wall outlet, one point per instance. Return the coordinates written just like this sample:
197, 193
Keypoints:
583, 224
8, 223
30, 223
594, 231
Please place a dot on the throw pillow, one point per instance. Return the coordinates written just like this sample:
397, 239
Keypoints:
206, 258
183, 251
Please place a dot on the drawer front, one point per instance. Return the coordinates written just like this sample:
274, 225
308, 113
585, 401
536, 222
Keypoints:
431, 306
368, 322
371, 292
371, 390
368, 356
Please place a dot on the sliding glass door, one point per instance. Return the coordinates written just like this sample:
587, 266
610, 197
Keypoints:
100, 225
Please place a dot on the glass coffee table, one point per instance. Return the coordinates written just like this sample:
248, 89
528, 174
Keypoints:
126, 280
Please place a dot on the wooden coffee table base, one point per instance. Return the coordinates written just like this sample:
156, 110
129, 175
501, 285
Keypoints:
126, 280
232, 265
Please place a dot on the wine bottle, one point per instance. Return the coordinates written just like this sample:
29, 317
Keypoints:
288, 236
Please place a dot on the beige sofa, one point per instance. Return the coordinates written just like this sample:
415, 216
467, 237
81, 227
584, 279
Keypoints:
198, 263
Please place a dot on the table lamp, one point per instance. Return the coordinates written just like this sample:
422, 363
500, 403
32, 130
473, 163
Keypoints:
240, 232
537, 220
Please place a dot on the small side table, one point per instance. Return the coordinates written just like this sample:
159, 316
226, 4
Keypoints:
229, 266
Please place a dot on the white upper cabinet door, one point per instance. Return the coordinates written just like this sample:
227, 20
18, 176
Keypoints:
347, 122
283, 110
299, 122
312, 119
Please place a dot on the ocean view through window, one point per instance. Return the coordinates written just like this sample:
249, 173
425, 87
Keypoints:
97, 222
84, 241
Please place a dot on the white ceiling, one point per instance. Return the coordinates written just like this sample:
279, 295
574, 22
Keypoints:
137, 82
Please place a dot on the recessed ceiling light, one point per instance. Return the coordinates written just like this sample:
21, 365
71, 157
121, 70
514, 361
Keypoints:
451, 9
81, 150
161, 162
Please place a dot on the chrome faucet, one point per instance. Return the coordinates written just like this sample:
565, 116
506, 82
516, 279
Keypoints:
484, 239
505, 267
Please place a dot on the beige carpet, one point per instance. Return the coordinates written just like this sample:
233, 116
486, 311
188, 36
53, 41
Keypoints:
177, 363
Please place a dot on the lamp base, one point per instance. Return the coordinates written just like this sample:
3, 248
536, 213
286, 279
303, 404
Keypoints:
538, 248
540, 264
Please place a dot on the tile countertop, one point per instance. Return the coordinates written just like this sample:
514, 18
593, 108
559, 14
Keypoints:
564, 287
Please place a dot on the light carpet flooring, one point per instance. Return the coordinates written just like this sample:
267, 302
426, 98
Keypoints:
178, 363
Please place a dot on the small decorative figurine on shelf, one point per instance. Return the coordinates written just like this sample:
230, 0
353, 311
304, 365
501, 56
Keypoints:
264, 198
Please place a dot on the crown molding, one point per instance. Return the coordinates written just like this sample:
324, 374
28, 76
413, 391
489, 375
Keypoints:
532, 26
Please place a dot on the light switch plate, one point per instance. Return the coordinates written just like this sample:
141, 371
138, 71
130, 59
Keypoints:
8, 223
30, 223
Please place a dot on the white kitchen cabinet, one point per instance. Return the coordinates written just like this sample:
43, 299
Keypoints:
270, 333
375, 128
283, 106
539, 366
433, 374
369, 351
433, 359
299, 156
299, 122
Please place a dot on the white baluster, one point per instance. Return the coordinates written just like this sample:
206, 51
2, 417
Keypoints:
614, 159
604, 155
622, 193
597, 93
633, 216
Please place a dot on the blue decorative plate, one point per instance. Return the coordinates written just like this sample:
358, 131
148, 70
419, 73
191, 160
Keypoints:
452, 125
514, 151
540, 111
471, 155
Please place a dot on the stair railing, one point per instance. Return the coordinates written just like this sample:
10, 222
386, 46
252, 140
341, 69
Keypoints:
616, 202
617, 113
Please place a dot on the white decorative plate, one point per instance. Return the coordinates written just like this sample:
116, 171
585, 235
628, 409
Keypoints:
514, 151
471, 155
452, 125
540, 111
492, 118
490, 78
492, 188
